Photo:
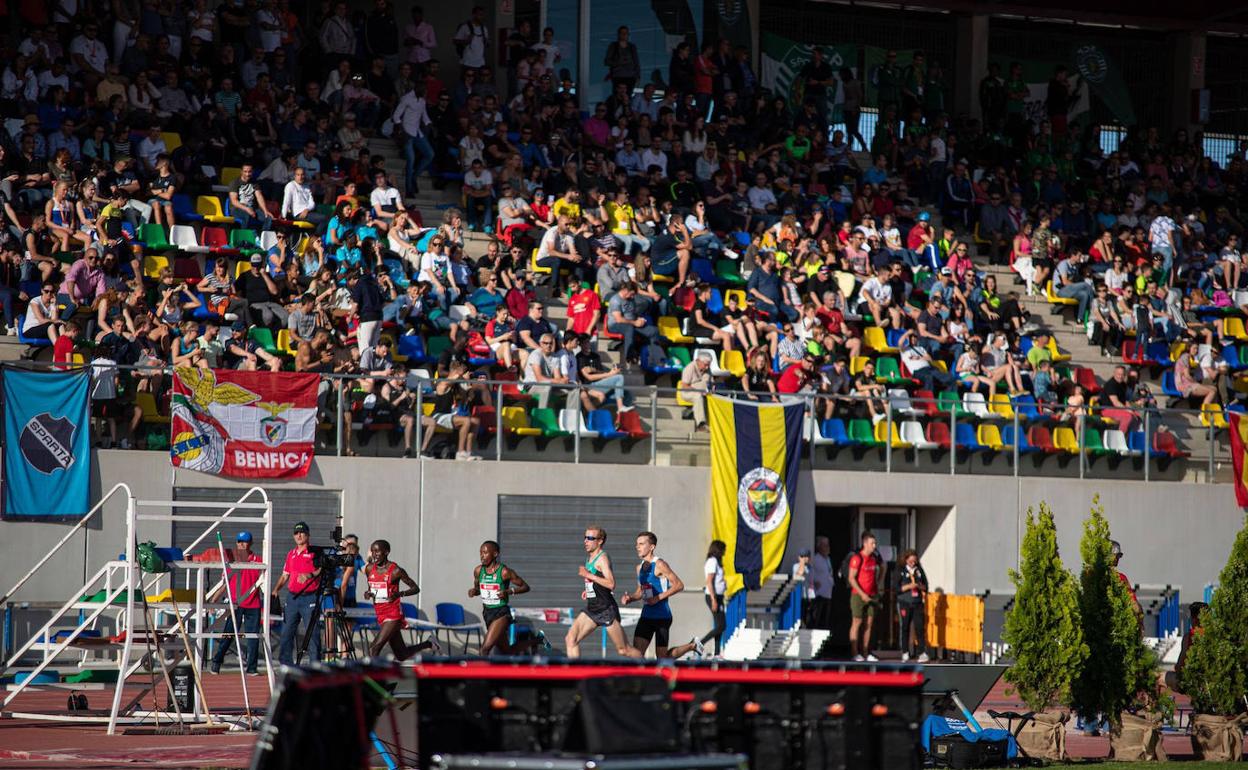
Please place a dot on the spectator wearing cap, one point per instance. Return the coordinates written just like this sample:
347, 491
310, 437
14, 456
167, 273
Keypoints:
245, 354
257, 287
1115, 554
243, 592
300, 580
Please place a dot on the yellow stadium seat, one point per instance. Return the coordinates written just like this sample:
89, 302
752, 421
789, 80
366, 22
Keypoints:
669, 327
876, 340
1212, 414
172, 139
153, 264
1064, 438
1053, 299
680, 395
857, 364
739, 294
286, 345
1001, 405
1056, 356
147, 403
733, 361
1234, 327
990, 436
882, 433
516, 420
230, 174
209, 207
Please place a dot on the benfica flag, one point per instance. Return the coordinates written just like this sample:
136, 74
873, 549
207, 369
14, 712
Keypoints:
1239, 439
250, 425
756, 452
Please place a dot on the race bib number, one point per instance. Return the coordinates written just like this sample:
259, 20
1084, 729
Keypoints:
381, 592
491, 592
589, 589
647, 593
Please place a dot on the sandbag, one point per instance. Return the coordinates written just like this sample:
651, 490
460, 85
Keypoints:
1218, 739
1137, 739
1044, 737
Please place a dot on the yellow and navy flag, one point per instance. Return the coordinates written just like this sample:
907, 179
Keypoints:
755, 456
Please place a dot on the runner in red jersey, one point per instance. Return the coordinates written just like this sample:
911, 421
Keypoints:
384, 591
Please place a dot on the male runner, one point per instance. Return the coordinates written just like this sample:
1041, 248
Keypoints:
496, 583
656, 581
600, 608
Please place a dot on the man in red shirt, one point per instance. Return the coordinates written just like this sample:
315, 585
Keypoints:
245, 593
1115, 553
63, 348
300, 578
863, 598
584, 310
794, 378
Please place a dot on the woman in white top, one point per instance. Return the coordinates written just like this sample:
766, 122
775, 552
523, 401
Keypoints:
41, 315
714, 591
1117, 276
694, 138
142, 95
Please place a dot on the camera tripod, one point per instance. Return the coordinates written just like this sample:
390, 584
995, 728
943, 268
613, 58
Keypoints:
336, 644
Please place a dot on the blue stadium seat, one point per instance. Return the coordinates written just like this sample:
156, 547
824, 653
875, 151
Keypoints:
600, 420
1026, 407
412, 346
1158, 353
1136, 442
1024, 446
704, 269
659, 368
834, 430
1167, 384
965, 438
35, 341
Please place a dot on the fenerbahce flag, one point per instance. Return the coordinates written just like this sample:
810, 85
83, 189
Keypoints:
755, 456
47, 444
249, 425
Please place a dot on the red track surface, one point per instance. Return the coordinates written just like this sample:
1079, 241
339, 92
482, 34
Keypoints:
28, 743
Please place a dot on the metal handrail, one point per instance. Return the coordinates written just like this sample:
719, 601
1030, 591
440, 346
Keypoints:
73, 530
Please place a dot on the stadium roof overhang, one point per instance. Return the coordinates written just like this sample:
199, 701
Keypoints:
1215, 16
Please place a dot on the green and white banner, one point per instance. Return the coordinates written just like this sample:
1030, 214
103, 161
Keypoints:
782, 62
1104, 78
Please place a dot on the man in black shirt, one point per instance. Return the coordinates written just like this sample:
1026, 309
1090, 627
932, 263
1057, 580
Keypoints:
818, 76
821, 283
369, 303
261, 292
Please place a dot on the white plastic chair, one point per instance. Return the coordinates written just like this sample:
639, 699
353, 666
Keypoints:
183, 236
268, 239
974, 403
912, 433
1116, 440
716, 369
899, 399
686, 324
458, 313
573, 421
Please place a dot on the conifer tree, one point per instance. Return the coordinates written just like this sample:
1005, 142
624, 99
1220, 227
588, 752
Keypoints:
1042, 628
1215, 671
1119, 671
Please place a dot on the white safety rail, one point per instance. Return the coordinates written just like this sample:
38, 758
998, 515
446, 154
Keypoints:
122, 579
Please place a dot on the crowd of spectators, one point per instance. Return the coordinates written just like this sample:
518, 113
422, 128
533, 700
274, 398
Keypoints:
697, 195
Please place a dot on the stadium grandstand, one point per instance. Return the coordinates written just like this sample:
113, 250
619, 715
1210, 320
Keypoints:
994, 252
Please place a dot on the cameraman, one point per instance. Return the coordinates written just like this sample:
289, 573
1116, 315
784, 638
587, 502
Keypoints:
345, 577
300, 577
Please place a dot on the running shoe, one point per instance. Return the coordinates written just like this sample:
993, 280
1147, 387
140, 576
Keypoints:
859, 659
905, 657
435, 646
923, 658
698, 647
871, 658
545, 642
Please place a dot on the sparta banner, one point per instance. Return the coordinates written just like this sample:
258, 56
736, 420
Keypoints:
47, 444
755, 457
248, 425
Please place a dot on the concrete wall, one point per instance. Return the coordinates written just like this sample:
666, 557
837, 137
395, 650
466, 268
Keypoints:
435, 513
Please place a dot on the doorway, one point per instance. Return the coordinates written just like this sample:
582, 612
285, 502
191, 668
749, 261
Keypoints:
894, 528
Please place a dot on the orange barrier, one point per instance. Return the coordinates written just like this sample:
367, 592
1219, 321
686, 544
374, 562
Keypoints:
955, 622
